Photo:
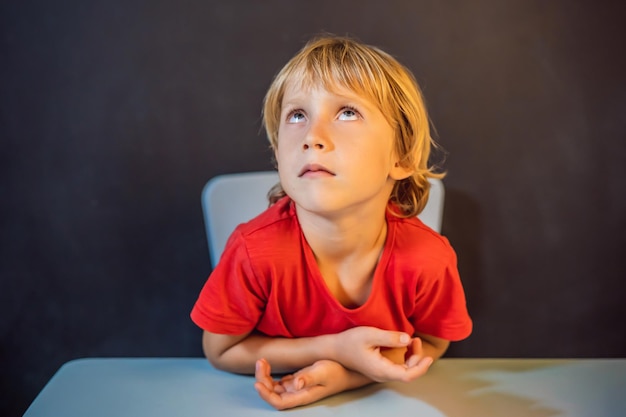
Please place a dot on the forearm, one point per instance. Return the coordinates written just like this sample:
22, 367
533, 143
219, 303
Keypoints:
433, 347
356, 349
356, 380
285, 354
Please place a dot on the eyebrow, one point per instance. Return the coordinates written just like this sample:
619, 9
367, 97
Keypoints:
295, 99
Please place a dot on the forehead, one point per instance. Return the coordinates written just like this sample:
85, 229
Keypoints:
301, 82
296, 88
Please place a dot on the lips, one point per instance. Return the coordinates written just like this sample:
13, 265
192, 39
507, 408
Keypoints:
314, 169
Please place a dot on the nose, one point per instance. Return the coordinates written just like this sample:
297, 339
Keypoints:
317, 137
315, 145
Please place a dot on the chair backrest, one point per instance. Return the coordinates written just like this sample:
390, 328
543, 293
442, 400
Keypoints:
231, 199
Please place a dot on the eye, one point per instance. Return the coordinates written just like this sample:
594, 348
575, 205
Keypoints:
348, 113
295, 116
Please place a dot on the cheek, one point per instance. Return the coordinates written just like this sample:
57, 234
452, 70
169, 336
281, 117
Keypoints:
283, 157
285, 147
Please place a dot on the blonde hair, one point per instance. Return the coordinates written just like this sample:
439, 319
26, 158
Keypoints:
332, 61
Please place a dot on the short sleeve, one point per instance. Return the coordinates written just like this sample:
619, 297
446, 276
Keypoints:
232, 300
440, 307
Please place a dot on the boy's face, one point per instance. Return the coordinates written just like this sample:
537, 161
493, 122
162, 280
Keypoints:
335, 151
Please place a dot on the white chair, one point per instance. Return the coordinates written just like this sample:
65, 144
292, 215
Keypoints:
231, 199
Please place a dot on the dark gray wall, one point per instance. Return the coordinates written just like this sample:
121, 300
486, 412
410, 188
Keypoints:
113, 114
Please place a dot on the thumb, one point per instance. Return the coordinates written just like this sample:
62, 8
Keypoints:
262, 374
389, 338
316, 374
302, 381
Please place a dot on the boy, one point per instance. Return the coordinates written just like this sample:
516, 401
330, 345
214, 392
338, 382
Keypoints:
337, 280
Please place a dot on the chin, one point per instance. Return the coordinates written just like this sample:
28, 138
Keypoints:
318, 206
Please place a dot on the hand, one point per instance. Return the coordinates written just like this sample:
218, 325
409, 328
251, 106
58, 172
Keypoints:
310, 384
359, 349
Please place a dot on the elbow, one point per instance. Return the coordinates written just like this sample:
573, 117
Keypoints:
221, 353
213, 356
442, 348
217, 362
213, 360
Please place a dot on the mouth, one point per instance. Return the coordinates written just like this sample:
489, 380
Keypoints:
315, 169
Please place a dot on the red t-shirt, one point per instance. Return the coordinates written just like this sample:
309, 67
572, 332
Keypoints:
267, 279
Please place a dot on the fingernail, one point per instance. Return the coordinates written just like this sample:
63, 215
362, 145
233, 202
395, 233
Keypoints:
405, 338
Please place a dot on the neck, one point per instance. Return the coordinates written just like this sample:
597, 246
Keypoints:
344, 236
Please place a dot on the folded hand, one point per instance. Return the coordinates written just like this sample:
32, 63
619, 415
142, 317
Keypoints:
320, 380
359, 349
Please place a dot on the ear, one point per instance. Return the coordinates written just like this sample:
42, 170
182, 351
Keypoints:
398, 172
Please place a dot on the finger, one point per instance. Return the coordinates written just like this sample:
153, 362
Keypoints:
416, 352
412, 361
305, 381
388, 338
417, 347
419, 369
395, 372
297, 384
291, 383
269, 396
289, 399
306, 378
262, 373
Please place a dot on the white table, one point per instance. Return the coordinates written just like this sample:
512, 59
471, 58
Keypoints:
453, 388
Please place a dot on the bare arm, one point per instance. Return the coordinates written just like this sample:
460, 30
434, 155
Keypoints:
239, 353
319, 377
432, 346
327, 377
357, 348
